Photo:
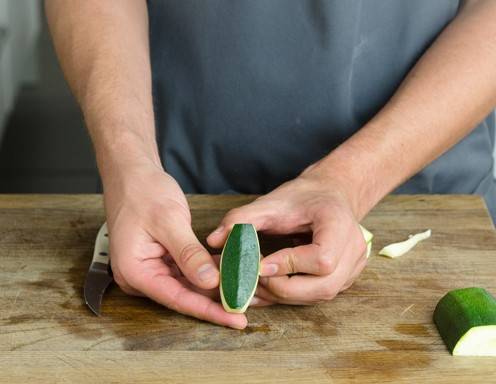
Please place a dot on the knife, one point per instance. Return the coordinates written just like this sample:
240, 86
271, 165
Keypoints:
99, 274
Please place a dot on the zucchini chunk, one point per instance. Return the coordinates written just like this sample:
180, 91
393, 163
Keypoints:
466, 320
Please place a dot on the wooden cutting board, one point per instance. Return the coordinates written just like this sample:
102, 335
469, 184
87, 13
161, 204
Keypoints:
378, 331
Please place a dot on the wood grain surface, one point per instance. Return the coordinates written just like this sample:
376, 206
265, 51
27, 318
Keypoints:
379, 331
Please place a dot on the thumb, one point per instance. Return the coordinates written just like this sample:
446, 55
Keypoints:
254, 213
192, 258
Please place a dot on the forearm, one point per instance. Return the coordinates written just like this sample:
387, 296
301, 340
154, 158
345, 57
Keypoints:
104, 52
445, 95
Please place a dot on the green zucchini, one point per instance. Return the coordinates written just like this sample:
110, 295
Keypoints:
466, 320
239, 268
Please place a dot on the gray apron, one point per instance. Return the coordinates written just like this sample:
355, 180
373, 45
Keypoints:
248, 93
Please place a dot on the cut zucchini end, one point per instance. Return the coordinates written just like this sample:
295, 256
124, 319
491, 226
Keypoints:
368, 236
369, 249
478, 341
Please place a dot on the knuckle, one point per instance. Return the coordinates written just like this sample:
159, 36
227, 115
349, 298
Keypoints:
207, 311
127, 290
346, 286
326, 263
328, 293
362, 247
123, 271
190, 252
123, 284
174, 302
284, 294
280, 291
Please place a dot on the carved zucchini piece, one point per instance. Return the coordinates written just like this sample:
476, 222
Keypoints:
239, 268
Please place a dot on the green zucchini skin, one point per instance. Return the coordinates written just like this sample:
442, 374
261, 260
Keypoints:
239, 268
462, 309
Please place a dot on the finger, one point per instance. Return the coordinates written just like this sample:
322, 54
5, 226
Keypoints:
301, 239
305, 259
256, 213
169, 292
265, 294
124, 285
318, 258
126, 246
258, 302
308, 289
128, 290
329, 243
355, 274
216, 259
176, 272
214, 294
191, 257
299, 289
360, 264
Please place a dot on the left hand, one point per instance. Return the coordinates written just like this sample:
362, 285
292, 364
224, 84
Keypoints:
327, 266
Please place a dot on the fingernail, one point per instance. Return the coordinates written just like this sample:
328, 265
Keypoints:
239, 325
206, 272
269, 269
255, 300
218, 230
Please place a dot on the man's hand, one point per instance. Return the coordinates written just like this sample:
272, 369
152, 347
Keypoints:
154, 250
329, 264
104, 51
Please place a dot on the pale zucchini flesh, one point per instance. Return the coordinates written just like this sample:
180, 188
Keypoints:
478, 341
369, 249
368, 236
399, 249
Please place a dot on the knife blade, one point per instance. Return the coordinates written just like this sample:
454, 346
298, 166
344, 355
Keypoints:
99, 274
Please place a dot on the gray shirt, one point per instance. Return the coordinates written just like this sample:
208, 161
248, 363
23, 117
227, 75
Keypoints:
249, 93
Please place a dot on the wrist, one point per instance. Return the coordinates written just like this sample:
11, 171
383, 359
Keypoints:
119, 150
343, 173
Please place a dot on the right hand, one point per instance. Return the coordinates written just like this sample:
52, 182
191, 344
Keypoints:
154, 250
